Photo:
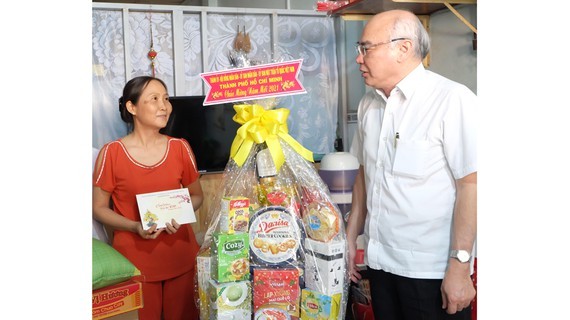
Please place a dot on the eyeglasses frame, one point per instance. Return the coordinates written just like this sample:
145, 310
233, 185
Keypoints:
362, 48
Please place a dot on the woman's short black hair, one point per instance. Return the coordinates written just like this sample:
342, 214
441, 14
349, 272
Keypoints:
132, 92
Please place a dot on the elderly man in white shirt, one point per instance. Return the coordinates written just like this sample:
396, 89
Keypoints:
416, 192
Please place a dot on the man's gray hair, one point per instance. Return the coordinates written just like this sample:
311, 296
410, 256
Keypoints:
412, 29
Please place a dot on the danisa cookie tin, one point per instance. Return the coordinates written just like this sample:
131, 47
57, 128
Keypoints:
275, 237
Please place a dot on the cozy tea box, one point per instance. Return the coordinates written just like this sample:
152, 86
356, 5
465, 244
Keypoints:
116, 299
315, 305
276, 288
230, 257
325, 266
234, 215
230, 300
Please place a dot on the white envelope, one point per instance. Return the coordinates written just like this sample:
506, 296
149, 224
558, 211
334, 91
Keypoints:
163, 206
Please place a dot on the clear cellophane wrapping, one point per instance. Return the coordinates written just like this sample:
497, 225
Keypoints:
275, 246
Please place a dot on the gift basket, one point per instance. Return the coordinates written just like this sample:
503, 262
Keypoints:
275, 247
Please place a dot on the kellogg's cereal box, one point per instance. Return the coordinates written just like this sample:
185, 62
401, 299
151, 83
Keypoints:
234, 215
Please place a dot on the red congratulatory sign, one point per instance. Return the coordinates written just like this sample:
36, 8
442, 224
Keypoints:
262, 81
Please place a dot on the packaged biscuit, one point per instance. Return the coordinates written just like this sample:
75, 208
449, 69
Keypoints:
275, 237
276, 289
230, 257
322, 223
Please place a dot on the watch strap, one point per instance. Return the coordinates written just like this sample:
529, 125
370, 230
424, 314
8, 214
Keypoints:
462, 256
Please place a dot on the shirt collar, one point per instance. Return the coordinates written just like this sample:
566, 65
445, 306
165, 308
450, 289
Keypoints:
412, 81
407, 85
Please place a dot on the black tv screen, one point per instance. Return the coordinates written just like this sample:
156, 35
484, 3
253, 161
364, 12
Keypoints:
209, 129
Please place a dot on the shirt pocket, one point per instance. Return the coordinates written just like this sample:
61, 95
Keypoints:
410, 158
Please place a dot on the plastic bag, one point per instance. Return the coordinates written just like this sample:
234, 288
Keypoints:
276, 243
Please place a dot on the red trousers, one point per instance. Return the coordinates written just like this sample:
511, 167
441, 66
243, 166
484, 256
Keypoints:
171, 299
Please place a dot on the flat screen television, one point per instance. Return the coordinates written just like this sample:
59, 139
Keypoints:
209, 129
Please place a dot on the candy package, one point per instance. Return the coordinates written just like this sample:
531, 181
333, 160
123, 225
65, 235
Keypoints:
272, 199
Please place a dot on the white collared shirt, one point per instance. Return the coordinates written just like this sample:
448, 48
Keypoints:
413, 145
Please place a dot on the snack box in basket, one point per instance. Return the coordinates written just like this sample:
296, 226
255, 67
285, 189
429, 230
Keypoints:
315, 305
234, 216
325, 267
276, 289
230, 257
230, 300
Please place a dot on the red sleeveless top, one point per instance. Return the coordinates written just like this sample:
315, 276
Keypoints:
169, 255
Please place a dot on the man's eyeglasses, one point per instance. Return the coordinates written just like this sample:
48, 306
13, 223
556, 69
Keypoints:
362, 48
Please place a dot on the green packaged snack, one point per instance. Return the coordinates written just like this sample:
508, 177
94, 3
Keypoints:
230, 257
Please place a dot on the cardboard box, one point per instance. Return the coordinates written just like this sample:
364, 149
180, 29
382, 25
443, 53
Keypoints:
325, 267
315, 305
276, 289
117, 299
234, 216
230, 300
230, 257
131, 315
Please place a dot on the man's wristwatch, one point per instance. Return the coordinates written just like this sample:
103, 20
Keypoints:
462, 255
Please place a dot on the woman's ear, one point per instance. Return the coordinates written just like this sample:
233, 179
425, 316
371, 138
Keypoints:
131, 107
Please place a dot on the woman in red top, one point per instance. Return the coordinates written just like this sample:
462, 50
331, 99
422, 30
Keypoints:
141, 162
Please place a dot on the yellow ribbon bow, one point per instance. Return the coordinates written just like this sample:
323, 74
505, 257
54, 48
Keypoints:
260, 125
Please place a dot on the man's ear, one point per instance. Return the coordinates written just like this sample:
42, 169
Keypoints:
405, 50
